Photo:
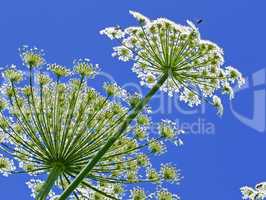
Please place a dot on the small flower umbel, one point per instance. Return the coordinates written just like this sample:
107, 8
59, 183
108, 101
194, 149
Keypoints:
85, 68
58, 124
193, 65
32, 57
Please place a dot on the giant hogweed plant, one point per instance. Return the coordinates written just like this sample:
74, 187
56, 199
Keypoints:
92, 146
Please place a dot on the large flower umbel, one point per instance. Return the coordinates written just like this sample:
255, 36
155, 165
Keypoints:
57, 124
194, 66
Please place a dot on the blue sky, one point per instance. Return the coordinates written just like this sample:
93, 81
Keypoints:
215, 165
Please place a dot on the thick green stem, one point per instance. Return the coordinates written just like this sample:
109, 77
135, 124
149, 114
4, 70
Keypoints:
55, 172
85, 171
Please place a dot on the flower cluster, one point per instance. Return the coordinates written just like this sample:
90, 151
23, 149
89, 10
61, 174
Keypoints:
13, 75
6, 165
32, 57
35, 185
162, 194
161, 47
113, 33
56, 126
169, 130
258, 193
85, 68
59, 70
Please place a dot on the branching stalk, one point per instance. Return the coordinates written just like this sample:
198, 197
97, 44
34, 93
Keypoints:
78, 180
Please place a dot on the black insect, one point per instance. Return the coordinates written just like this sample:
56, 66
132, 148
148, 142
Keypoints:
199, 21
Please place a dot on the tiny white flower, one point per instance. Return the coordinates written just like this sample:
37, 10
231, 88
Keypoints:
122, 53
113, 32
217, 103
190, 98
143, 20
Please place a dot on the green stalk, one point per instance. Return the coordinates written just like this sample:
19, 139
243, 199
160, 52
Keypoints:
55, 172
85, 171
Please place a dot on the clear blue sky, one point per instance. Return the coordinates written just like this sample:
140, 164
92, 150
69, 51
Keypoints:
214, 166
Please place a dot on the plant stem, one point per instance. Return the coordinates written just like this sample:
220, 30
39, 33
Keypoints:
56, 171
85, 171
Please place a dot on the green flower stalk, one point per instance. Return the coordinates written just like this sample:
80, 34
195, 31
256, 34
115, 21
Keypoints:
169, 57
52, 122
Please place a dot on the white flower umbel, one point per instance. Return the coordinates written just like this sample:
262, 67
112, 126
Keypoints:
57, 124
194, 66
257, 193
